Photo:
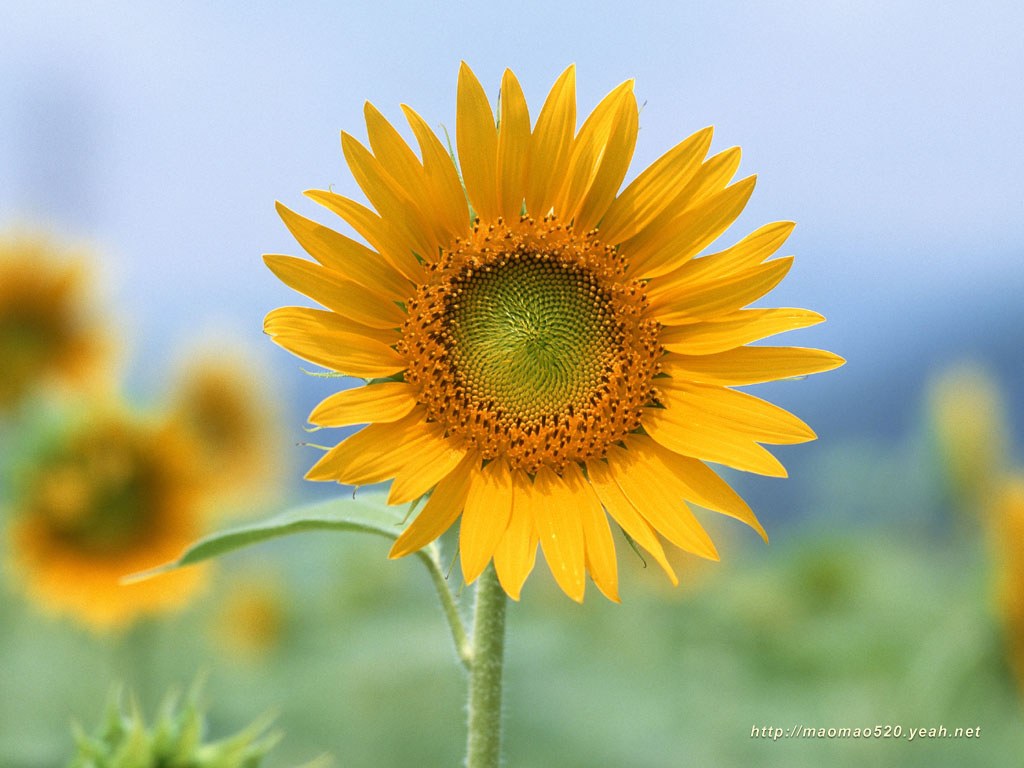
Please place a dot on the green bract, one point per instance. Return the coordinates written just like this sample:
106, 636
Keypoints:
175, 740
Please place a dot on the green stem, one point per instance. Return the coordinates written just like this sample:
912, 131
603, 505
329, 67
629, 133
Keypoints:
135, 655
451, 609
484, 747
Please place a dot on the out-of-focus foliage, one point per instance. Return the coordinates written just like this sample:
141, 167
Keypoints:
174, 740
825, 628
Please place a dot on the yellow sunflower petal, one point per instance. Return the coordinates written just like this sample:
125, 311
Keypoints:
763, 421
441, 510
560, 532
373, 403
425, 470
484, 517
398, 251
513, 147
666, 511
735, 329
330, 289
714, 174
695, 481
600, 548
709, 180
624, 513
600, 158
690, 233
618, 154
708, 300
390, 148
516, 553
550, 144
750, 365
748, 252
391, 201
312, 335
441, 177
655, 189
344, 255
477, 139
401, 163
693, 433
376, 453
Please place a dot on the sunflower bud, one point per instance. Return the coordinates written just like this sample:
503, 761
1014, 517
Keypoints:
175, 740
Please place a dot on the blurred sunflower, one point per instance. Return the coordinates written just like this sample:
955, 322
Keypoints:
1008, 537
111, 496
231, 419
47, 328
540, 348
253, 616
968, 420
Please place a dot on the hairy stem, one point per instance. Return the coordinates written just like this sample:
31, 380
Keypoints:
484, 746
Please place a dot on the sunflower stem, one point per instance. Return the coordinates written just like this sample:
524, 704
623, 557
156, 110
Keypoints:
449, 606
134, 654
484, 746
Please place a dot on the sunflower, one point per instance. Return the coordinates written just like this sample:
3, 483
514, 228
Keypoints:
47, 332
541, 350
968, 422
111, 496
252, 619
1007, 535
229, 414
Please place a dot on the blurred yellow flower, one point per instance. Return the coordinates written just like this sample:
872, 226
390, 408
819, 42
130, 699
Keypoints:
232, 422
48, 330
541, 349
252, 617
969, 419
112, 496
1008, 539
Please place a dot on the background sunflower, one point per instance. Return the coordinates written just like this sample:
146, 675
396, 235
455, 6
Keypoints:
108, 495
50, 333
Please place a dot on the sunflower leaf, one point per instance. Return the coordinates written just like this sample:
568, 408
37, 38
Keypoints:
364, 515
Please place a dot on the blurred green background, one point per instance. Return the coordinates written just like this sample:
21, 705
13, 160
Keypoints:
160, 136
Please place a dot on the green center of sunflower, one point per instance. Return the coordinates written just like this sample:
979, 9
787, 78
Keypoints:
97, 497
529, 343
530, 334
27, 340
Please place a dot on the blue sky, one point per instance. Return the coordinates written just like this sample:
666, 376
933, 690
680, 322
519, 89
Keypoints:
163, 134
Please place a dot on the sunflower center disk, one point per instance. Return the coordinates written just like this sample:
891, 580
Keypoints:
96, 499
528, 342
531, 335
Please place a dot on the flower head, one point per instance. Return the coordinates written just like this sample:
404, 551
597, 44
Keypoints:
968, 417
1007, 536
543, 350
109, 496
230, 417
47, 329
252, 619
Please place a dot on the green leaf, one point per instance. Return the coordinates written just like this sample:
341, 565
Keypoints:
363, 515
